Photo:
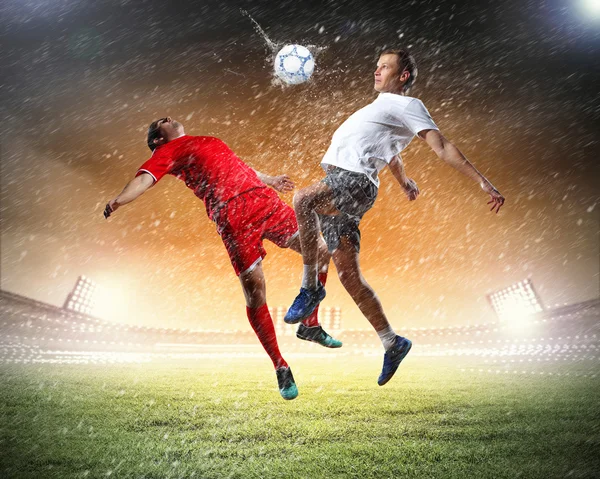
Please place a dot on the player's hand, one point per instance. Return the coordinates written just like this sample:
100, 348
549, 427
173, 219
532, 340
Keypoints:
282, 183
111, 207
411, 189
496, 199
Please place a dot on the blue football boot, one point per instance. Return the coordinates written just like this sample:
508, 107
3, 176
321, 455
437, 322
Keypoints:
304, 304
392, 359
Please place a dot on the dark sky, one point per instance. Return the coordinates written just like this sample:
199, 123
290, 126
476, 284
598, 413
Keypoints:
513, 84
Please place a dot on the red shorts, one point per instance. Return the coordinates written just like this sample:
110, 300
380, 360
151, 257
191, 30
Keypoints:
249, 218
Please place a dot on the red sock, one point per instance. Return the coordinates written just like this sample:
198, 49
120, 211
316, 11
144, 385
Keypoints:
313, 319
261, 322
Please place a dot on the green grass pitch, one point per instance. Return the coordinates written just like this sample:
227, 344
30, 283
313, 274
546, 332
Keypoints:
438, 418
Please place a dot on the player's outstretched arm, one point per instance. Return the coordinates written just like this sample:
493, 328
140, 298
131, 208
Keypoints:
281, 183
449, 153
134, 189
408, 185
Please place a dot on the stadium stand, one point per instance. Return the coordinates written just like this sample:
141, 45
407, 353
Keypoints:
32, 331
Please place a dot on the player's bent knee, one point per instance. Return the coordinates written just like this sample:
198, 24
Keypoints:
324, 255
349, 281
255, 298
253, 285
301, 201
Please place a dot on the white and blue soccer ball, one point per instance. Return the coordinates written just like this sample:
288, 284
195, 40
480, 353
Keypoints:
294, 64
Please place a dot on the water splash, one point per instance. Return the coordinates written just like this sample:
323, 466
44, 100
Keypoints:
315, 50
276, 46
272, 45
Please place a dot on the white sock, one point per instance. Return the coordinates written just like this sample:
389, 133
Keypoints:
388, 337
309, 276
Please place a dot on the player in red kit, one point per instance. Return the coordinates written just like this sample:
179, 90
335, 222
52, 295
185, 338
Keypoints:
245, 210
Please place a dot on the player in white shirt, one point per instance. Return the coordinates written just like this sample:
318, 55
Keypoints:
363, 145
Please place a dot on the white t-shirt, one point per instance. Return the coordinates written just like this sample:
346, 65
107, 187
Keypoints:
370, 138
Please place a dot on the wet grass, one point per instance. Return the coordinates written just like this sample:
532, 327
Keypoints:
433, 420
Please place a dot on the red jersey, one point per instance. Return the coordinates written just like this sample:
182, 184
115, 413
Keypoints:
207, 166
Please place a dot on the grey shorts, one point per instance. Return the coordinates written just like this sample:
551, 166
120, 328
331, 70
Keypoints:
354, 194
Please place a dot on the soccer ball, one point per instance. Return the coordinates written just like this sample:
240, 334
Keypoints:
294, 64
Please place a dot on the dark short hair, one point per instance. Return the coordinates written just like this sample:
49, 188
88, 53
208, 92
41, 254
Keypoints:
406, 62
153, 133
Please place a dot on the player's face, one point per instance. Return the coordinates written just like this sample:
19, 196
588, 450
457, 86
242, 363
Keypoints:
168, 127
388, 77
165, 130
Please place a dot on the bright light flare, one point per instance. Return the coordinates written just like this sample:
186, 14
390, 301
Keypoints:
516, 305
518, 315
110, 303
591, 7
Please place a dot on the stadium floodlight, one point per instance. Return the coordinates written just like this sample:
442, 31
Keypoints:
516, 304
325, 317
337, 318
81, 298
